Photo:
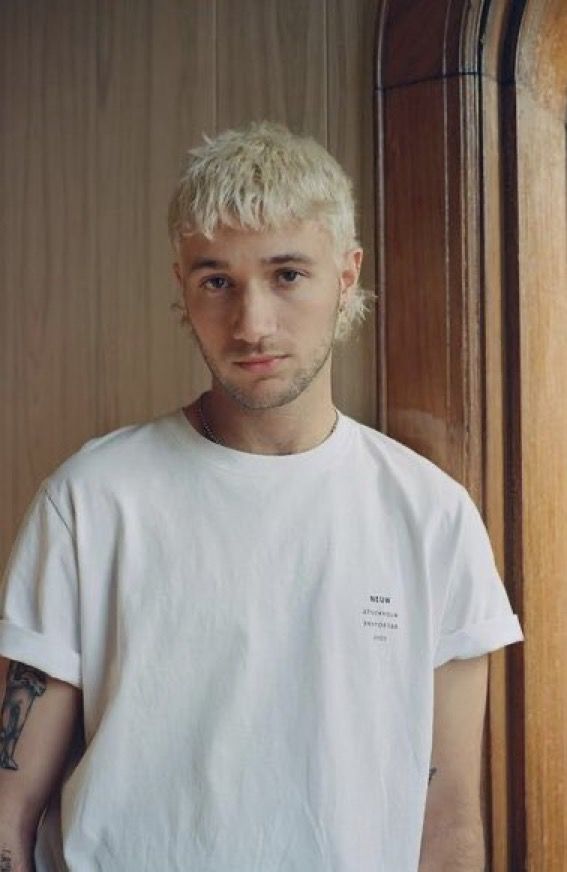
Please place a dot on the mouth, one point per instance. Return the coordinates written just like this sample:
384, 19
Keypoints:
260, 364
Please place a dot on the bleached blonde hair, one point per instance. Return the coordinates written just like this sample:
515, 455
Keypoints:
263, 176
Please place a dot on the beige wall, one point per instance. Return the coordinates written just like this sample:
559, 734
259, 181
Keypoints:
99, 101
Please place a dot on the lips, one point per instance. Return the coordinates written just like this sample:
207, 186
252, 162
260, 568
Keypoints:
259, 359
260, 364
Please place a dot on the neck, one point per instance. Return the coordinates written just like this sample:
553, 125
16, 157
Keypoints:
285, 429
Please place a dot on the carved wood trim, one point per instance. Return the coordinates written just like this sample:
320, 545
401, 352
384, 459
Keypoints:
534, 109
439, 226
471, 99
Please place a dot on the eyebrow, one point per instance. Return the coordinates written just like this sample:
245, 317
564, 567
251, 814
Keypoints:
289, 257
295, 256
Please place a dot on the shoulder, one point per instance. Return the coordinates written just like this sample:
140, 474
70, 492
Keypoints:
122, 456
409, 479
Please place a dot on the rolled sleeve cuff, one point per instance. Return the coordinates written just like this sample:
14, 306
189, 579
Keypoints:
477, 639
40, 651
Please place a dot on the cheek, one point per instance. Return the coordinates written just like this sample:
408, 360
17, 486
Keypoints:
203, 312
318, 312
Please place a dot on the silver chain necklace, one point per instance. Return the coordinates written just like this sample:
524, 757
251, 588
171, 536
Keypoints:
210, 435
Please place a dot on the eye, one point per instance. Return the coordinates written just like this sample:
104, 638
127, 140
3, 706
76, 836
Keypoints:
289, 276
213, 283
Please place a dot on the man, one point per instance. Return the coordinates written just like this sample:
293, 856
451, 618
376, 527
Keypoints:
276, 619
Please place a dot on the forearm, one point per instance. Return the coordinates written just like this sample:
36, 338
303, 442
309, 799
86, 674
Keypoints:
37, 718
16, 851
453, 849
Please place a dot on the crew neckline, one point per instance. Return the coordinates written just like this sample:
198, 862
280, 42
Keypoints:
248, 463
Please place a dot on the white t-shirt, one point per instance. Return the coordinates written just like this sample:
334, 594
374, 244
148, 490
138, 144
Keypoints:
255, 638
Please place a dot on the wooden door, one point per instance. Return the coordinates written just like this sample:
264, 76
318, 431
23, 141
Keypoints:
471, 103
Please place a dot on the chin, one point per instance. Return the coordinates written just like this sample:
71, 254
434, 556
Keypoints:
264, 394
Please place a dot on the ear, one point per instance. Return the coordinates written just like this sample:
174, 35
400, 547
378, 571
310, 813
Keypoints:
351, 269
178, 272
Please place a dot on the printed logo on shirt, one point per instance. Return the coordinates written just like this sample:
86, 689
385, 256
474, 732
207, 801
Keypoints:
380, 617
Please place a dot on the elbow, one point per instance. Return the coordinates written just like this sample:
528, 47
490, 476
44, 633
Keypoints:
453, 848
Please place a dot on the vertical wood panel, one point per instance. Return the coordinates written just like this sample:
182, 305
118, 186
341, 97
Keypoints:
432, 272
443, 339
309, 65
494, 484
155, 96
271, 63
182, 106
99, 101
535, 103
122, 127
48, 334
542, 187
351, 37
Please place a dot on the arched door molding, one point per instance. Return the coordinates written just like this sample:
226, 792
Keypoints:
460, 197
534, 239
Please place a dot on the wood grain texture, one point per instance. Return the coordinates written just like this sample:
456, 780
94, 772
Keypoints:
444, 350
155, 76
309, 65
48, 243
494, 484
432, 279
272, 63
99, 102
542, 186
180, 109
350, 138
423, 41
542, 55
535, 102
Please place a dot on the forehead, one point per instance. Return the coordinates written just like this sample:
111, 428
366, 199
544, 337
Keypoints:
307, 237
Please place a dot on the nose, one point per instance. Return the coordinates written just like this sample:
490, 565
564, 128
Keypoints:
255, 314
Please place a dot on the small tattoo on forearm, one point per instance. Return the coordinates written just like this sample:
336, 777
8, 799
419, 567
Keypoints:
5, 860
432, 772
23, 685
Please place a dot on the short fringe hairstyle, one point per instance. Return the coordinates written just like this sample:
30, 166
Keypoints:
262, 177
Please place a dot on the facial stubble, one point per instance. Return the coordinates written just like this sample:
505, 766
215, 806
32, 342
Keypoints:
301, 379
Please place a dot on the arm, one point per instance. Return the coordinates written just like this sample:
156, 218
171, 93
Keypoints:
453, 837
38, 718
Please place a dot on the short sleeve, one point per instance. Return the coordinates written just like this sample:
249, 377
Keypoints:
477, 616
39, 622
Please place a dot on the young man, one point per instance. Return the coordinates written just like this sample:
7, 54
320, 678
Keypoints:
276, 619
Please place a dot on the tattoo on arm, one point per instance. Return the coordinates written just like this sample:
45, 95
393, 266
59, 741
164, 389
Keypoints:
432, 772
23, 685
5, 860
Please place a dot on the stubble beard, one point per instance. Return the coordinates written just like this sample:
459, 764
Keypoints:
277, 396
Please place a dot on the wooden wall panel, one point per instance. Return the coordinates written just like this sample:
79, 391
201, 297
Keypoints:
310, 66
443, 349
351, 34
535, 220
183, 64
495, 462
432, 276
47, 243
487, 358
272, 63
542, 210
122, 212
155, 76
99, 100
